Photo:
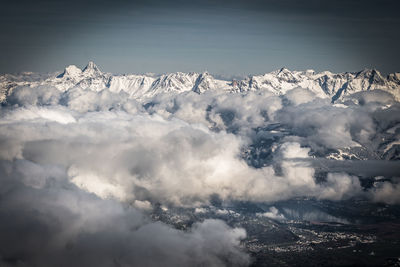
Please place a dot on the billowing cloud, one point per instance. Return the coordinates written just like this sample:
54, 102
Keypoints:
386, 192
147, 158
81, 169
183, 148
48, 221
273, 213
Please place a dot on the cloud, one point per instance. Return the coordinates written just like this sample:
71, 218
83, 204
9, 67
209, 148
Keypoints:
386, 192
147, 158
83, 100
48, 221
41, 95
311, 215
299, 96
293, 150
340, 186
273, 213
181, 149
81, 170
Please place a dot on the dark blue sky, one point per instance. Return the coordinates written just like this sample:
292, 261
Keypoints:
223, 37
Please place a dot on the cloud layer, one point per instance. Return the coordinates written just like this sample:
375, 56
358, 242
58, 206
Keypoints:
80, 169
48, 221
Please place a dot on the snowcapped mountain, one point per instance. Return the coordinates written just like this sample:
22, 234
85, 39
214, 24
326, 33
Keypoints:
323, 84
90, 77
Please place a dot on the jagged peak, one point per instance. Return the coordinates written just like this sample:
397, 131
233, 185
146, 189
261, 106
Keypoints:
368, 72
281, 71
286, 75
91, 68
373, 75
284, 70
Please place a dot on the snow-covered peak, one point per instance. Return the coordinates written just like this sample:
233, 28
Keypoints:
284, 70
90, 77
71, 71
75, 73
367, 73
91, 69
203, 83
281, 70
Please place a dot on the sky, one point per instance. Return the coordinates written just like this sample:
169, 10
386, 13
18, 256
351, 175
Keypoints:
226, 38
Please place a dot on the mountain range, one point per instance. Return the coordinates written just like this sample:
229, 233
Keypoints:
144, 86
